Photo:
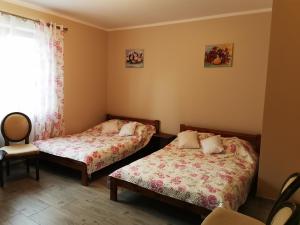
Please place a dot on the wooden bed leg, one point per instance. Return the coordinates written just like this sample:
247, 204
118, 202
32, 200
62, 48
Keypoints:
84, 178
113, 189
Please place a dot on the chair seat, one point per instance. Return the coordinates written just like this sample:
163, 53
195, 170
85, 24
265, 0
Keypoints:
20, 150
221, 216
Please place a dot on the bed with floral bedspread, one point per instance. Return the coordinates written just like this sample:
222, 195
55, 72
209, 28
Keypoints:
95, 149
208, 181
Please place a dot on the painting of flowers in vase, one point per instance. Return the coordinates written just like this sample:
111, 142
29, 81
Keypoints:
134, 58
218, 55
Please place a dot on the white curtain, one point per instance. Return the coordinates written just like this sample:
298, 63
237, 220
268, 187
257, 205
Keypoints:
31, 73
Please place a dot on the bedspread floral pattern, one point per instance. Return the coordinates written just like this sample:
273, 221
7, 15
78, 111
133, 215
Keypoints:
189, 175
96, 149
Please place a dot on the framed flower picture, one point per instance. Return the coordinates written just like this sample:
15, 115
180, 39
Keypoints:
134, 58
218, 55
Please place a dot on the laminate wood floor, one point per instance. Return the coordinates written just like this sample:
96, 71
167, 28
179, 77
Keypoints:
59, 199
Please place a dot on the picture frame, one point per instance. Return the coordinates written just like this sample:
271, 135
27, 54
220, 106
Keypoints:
134, 58
218, 55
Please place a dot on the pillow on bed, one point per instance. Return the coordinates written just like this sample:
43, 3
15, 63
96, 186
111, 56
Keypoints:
212, 145
188, 139
141, 129
110, 126
202, 135
128, 129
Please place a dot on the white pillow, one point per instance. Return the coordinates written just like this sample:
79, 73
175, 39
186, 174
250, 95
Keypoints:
128, 129
212, 145
110, 126
202, 135
188, 139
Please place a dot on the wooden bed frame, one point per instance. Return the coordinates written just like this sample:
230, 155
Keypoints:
115, 182
80, 166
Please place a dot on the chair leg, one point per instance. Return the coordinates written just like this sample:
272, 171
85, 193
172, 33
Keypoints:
7, 168
37, 169
1, 173
28, 165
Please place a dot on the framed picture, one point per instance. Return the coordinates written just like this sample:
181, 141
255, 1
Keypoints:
134, 58
219, 55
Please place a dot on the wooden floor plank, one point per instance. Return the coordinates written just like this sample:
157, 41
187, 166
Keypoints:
20, 219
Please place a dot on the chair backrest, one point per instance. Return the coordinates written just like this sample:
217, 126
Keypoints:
292, 182
16, 127
285, 214
289, 187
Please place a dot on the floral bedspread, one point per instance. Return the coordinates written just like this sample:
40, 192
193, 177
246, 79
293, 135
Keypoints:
95, 149
189, 175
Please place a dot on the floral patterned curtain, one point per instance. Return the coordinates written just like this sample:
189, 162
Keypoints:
48, 120
32, 74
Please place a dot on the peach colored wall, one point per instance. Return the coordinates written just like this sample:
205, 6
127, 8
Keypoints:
85, 69
175, 88
280, 140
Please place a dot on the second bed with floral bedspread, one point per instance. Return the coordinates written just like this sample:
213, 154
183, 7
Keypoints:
189, 175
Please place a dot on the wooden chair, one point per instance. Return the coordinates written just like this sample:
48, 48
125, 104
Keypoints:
288, 188
16, 127
282, 212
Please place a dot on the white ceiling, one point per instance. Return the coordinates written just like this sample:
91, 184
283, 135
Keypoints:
113, 14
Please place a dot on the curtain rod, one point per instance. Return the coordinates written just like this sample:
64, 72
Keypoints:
34, 20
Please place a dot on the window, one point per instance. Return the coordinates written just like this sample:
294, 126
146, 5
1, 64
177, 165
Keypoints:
19, 70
